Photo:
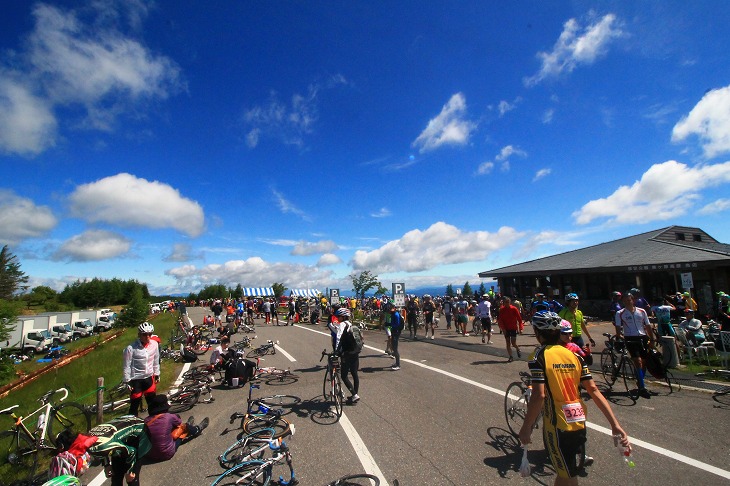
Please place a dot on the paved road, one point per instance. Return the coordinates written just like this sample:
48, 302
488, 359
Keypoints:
440, 421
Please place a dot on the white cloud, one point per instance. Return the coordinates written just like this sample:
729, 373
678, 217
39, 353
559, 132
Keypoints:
253, 272
576, 46
127, 201
547, 116
448, 127
382, 213
710, 121
541, 174
717, 206
93, 245
485, 168
285, 206
20, 218
182, 252
27, 124
665, 191
505, 106
440, 244
308, 248
328, 259
503, 157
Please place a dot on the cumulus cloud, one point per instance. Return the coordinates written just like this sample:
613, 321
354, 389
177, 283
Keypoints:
710, 121
382, 213
27, 124
541, 174
328, 259
440, 244
450, 127
93, 245
285, 206
485, 168
182, 252
63, 63
304, 248
717, 206
576, 46
503, 158
665, 191
253, 272
128, 201
21, 218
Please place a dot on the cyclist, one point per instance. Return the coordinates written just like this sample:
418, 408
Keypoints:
396, 327
571, 314
349, 354
485, 315
412, 317
557, 374
510, 322
633, 323
615, 304
121, 443
141, 368
428, 309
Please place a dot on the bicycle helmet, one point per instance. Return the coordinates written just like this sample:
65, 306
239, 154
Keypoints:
426, 296
616, 293
65, 480
565, 327
146, 328
572, 296
546, 321
634, 291
343, 312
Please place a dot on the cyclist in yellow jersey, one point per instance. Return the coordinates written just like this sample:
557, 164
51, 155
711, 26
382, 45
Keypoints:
557, 374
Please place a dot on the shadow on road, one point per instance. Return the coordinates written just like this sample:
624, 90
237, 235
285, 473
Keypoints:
510, 457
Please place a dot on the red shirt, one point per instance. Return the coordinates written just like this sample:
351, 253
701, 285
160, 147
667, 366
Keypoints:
509, 318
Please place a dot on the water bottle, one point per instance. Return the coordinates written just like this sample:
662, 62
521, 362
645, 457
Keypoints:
263, 408
624, 451
41, 421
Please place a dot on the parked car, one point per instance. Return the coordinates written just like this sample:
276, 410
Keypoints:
104, 323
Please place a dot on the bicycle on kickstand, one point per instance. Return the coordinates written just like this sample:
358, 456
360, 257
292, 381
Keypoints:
332, 386
21, 446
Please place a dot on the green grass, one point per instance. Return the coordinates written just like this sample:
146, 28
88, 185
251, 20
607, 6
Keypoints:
80, 376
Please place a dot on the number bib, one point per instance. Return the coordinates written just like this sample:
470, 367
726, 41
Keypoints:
574, 412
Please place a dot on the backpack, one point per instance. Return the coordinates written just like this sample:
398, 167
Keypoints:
655, 364
357, 336
351, 341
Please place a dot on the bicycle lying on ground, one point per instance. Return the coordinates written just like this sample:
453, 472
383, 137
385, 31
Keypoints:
263, 350
185, 397
259, 471
251, 446
332, 386
358, 480
722, 393
21, 446
259, 415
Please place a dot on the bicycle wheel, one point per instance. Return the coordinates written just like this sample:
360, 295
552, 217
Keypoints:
18, 458
326, 385
250, 447
628, 372
607, 367
337, 396
249, 473
357, 480
254, 423
515, 406
673, 384
282, 378
255, 353
280, 400
183, 400
69, 416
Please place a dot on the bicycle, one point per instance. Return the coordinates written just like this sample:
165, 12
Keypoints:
251, 446
332, 386
257, 471
263, 350
615, 362
722, 394
260, 415
20, 446
357, 480
516, 399
187, 396
115, 398
476, 326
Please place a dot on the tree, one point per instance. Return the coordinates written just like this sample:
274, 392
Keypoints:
238, 292
41, 295
363, 282
467, 291
482, 289
9, 312
135, 312
279, 290
381, 290
450, 290
12, 278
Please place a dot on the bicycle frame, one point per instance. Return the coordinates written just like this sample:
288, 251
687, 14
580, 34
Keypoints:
44, 412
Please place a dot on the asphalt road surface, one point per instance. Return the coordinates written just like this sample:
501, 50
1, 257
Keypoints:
440, 421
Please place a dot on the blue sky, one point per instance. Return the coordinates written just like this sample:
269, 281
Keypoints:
189, 143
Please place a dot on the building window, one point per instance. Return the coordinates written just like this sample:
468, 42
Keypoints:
680, 236
697, 237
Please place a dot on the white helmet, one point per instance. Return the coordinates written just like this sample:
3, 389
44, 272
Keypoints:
146, 328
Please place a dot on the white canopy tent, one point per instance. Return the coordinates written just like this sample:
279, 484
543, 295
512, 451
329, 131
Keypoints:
258, 292
305, 292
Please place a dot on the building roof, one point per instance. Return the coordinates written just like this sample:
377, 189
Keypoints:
666, 246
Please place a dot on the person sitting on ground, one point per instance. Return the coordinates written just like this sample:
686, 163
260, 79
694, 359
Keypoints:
221, 354
167, 431
692, 328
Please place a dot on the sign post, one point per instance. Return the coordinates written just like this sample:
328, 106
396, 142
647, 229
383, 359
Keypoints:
334, 296
687, 282
399, 294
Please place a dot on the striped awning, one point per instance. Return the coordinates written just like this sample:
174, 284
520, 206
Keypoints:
257, 291
305, 292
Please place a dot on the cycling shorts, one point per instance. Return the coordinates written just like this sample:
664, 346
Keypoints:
565, 450
486, 324
637, 346
462, 319
510, 333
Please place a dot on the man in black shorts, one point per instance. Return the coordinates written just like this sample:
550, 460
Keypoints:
632, 323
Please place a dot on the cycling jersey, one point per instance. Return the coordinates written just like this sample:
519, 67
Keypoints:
632, 323
141, 361
561, 371
123, 438
575, 319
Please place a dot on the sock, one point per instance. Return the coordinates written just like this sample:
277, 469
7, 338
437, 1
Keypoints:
640, 378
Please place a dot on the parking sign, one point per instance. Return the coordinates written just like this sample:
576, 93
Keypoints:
399, 294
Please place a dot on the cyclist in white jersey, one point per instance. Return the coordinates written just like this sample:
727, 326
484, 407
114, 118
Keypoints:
633, 324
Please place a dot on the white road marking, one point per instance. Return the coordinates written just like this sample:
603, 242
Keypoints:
101, 477
366, 459
281, 350
638, 442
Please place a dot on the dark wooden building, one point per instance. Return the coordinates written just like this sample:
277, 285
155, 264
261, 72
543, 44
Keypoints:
654, 262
